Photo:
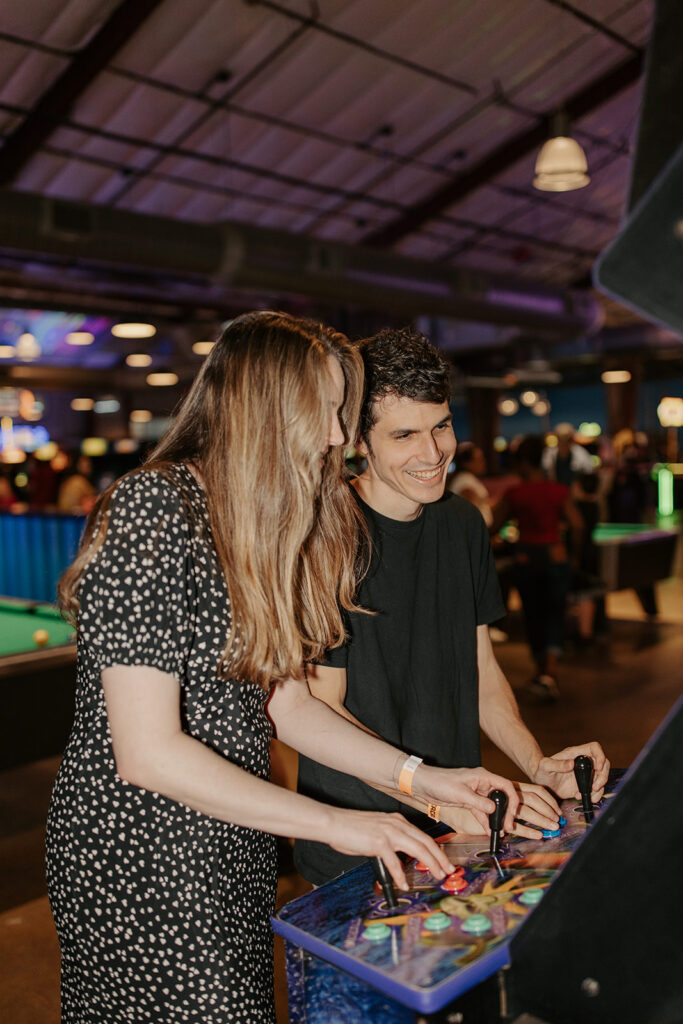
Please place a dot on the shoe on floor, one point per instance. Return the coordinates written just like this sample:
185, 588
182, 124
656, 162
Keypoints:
497, 635
545, 687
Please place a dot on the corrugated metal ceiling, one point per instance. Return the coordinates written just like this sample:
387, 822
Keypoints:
337, 119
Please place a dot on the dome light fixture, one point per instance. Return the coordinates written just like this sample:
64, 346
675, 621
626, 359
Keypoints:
133, 330
202, 348
561, 164
79, 338
162, 379
508, 406
139, 359
27, 347
615, 377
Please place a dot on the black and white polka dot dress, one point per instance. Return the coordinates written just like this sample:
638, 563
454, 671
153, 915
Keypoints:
162, 912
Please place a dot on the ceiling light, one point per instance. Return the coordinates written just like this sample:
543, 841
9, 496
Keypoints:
541, 408
27, 347
132, 330
82, 404
508, 406
94, 446
202, 348
126, 445
162, 379
528, 398
80, 338
7, 351
138, 359
561, 165
670, 412
140, 416
106, 405
615, 377
46, 452
13, 456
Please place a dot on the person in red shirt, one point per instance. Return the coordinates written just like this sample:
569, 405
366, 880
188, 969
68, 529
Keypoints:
542, 572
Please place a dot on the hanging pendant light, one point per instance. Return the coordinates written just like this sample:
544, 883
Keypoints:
561, 165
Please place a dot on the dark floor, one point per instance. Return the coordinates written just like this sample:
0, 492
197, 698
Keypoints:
616, 693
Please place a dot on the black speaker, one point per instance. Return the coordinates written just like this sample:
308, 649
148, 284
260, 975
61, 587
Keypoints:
605, 945
643, 266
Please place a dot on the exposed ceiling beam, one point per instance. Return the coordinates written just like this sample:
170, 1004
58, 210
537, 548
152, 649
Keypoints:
217, 259
55, 103
584, 101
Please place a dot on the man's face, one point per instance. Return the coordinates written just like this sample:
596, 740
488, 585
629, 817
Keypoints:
411, 446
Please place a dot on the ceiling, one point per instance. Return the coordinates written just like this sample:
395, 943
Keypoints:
357, 159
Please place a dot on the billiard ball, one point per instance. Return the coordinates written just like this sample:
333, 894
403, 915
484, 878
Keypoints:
41, 637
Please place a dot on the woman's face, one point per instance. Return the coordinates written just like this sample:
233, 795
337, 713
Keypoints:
334, 389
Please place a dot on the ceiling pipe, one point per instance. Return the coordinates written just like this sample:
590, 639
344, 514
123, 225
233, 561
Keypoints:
222, 257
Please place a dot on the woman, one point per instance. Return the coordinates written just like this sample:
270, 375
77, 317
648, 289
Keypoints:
203, 584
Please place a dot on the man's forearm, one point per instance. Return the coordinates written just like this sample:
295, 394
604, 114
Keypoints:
500, 719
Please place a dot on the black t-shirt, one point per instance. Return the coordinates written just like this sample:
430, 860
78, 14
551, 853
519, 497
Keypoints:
411, 668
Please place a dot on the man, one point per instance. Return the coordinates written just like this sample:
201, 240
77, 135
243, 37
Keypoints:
567, 460
420, 671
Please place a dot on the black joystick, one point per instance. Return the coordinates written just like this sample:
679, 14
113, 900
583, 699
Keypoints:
384, 879
583, 773
496, 818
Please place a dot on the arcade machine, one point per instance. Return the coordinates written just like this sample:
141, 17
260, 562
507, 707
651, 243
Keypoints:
580, 927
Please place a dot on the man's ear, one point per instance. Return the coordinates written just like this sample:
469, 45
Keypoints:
362, 447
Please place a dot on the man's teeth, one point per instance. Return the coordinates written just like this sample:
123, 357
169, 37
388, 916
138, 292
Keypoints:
425, 474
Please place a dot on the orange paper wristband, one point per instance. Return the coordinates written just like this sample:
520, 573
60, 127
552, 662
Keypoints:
405, 776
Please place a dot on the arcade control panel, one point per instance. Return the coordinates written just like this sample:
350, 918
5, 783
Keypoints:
426, 947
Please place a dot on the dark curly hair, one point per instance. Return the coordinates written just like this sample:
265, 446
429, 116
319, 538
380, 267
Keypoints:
400, 361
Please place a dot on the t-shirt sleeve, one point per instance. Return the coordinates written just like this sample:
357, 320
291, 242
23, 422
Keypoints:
488, 598
135, 593
334, 657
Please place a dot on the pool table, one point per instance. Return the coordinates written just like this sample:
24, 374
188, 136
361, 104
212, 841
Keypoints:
635, 556
37, 682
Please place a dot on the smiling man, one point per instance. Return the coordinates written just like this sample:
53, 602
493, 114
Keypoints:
420, 671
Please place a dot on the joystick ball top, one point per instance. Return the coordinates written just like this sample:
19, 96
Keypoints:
583, 773
497, 816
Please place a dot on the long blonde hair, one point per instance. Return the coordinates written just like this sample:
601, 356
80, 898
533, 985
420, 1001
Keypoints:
286, 530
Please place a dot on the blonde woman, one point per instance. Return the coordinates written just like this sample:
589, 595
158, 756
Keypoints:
204, 583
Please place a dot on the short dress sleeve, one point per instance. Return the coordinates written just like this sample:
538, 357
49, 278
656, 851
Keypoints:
135, 595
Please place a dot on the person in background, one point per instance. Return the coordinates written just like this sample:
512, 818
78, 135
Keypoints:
470, 467
542, 570
205, 582
564, 462
588, 590
43, 482
76, 491
7, 495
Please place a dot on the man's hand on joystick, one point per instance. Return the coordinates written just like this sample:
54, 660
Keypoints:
496, 819
583, 773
